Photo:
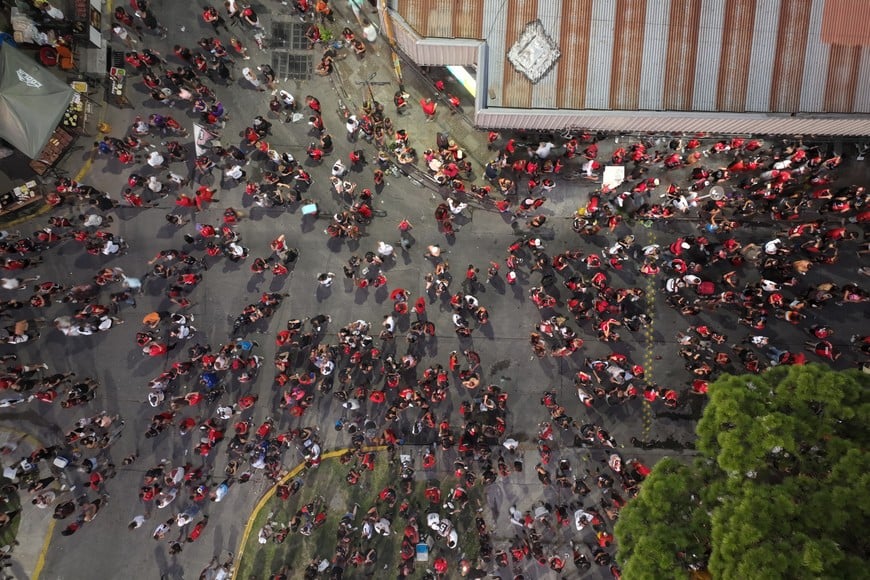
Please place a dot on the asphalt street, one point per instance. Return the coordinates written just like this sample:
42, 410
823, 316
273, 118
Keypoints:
106, 548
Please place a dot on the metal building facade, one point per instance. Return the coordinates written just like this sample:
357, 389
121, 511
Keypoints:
804, 60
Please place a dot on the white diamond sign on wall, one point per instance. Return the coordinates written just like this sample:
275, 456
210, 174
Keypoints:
534, 52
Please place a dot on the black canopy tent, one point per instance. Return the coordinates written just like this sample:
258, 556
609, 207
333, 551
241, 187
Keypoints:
32, 101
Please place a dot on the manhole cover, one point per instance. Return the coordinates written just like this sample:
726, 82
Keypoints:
292, 66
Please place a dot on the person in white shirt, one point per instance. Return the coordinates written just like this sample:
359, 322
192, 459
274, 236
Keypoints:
17, 283
162, 529
773, 247
769, 285
251, 77
456, 207
235, 172
155, 159
385, 250
288, 99
122, 33
50, 10
154, 184
93, 220
383, 527
389, 323
177, 179
370, 32
351, 125
136, 522
543, 150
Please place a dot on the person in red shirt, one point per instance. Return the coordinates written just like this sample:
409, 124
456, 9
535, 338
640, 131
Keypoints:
184, 200
247, 402
314, 152
205, 195
156, 349
429, 107
207, 231
197, 530
210, 15
135, 200
186, 425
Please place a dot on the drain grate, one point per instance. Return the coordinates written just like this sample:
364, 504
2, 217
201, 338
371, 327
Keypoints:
291, 58
292, 66
280, 35
289, 35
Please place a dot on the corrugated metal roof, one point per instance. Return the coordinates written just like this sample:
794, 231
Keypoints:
544, 92
791, 46
655, 54
691, 55
815, 67
494, 25
572, 68
443, 18
736, 53
862, 95
517, 90
842, 78
600, 54
711, 26
628, 46
683, 32
763, 53
468, 19
846, 22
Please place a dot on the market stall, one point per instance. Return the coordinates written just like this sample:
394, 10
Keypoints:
20, 197
118, 82
26, 31
78, 112
58, 144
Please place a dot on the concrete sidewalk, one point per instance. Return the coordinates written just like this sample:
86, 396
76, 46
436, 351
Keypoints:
36, 525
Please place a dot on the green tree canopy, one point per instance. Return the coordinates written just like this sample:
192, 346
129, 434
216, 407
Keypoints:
779, 491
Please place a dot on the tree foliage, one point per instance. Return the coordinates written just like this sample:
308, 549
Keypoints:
779, 491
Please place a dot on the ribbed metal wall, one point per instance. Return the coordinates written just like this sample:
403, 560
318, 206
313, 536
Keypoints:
434, 51
685, 55
674, 122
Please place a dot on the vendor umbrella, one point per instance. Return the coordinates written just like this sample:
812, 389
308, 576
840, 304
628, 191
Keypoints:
32, 101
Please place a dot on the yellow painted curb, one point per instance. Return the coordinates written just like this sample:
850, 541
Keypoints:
46, 544
90, 160
270, 493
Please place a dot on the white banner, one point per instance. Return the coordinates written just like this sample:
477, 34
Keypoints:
613, 177
201, 138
